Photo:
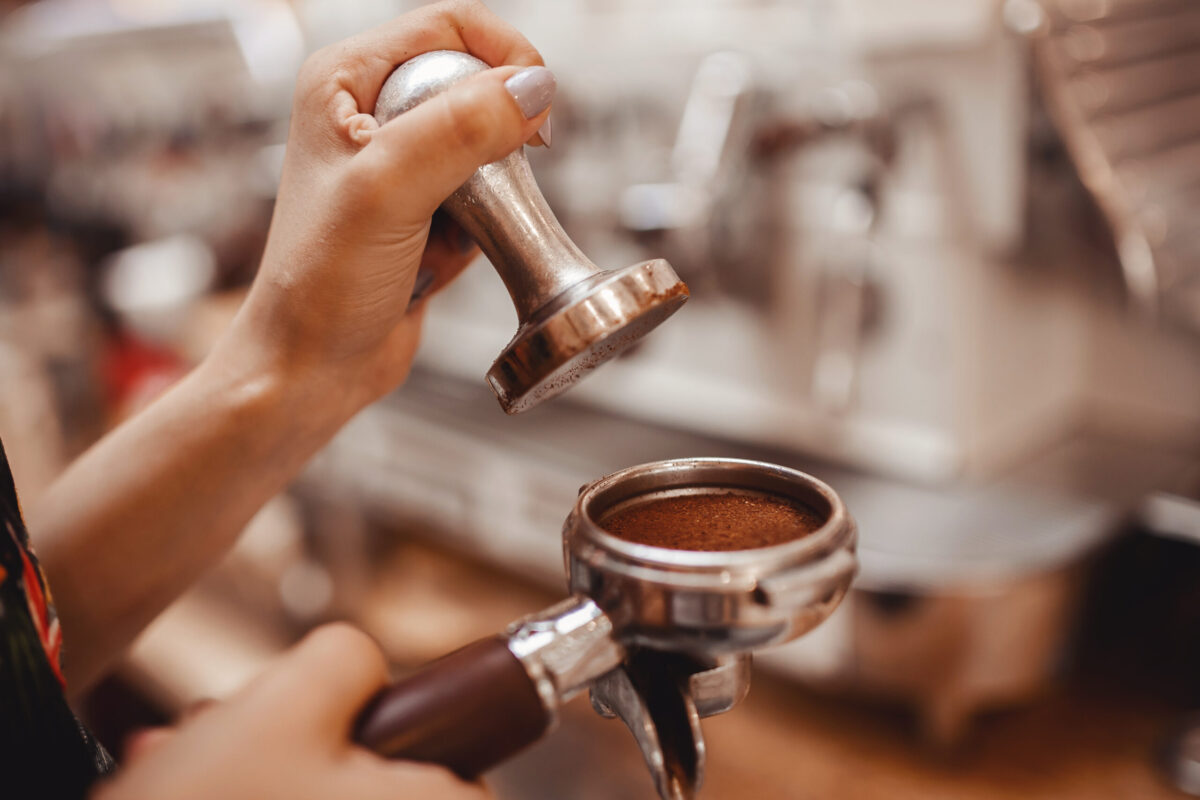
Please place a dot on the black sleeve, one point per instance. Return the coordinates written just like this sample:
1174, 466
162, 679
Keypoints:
44, 750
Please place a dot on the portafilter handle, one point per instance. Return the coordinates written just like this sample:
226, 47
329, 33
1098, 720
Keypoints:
491, 699
476, 707
468, 711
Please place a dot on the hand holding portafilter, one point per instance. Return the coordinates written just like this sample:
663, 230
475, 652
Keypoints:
662, 637
572, 315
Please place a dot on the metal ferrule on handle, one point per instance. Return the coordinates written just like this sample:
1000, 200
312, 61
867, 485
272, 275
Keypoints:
485, 702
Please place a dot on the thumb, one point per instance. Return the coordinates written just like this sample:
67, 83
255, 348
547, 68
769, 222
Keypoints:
426, 153
322, 683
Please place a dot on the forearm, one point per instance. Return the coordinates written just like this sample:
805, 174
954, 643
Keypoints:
151, 506
160, 499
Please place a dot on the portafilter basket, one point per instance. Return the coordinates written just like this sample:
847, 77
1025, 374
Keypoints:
661, 637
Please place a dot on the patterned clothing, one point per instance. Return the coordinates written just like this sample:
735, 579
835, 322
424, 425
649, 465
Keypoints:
45, 752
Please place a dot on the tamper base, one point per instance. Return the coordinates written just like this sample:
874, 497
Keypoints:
578, 331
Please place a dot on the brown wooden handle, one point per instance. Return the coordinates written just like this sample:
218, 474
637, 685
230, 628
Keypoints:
468, 711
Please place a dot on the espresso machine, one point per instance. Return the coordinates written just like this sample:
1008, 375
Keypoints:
898, 283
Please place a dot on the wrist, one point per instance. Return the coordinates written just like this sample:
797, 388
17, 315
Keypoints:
268, 386
338, 351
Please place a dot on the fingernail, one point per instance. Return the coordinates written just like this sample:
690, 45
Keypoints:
544, 132
533, 89
421, 285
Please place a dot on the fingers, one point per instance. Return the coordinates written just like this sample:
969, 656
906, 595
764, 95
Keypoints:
448, 252
143, 741
374, 778
362, 63
440, 143
324, 681
426, 780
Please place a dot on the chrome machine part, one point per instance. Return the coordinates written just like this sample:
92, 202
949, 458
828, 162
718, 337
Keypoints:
718, 686
663, 719
675, 757
564, 647
687, 206
660, 696
1122, 85
1182, 757
691, 618
709, 604
572, 316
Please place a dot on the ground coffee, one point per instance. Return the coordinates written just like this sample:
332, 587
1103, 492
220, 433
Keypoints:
712, 521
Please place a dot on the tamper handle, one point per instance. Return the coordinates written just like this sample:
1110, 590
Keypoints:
467, 711
500, 205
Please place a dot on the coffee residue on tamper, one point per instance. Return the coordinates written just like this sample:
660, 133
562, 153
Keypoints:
712, 521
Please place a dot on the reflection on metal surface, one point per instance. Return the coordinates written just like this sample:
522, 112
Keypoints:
1182, 757
1173, 516
564, 647
664, 723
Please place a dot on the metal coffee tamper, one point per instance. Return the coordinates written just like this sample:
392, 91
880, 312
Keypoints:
572, 315
661, 637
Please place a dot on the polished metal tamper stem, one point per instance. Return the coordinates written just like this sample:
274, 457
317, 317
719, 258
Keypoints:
572, 315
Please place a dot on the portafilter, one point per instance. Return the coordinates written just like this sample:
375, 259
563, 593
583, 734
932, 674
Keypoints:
661, 637
572, 315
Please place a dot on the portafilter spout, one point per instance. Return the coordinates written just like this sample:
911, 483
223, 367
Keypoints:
660, 636
572, 316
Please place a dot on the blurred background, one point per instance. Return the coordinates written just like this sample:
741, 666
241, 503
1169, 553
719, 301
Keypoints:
943, 255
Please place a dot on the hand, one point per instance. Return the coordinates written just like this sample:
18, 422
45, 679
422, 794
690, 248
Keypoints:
287, 734
352, 221
325, 330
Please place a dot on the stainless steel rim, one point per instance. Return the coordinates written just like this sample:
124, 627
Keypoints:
585, 328
837, 531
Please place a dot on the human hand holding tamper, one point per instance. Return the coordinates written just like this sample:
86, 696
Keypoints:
759, 554
572, 315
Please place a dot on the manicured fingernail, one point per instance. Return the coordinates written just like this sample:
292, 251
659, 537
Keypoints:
421, 285
533, 89
544, 132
